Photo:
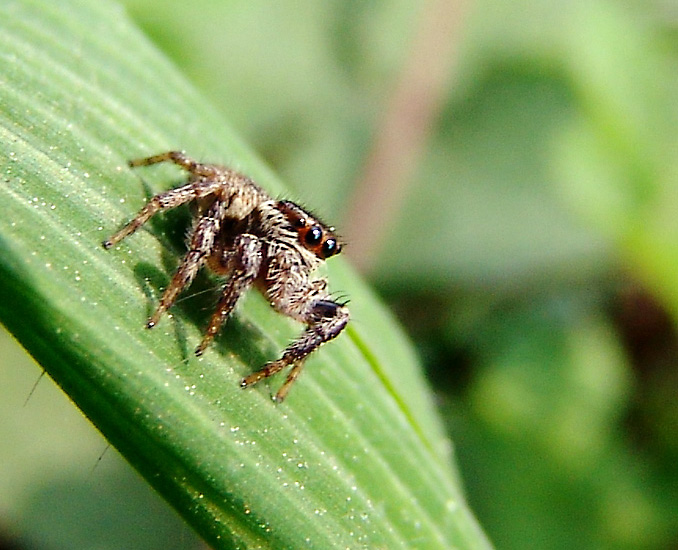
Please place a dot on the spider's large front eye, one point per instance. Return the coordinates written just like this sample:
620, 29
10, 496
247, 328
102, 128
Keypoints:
330, 248
313, 236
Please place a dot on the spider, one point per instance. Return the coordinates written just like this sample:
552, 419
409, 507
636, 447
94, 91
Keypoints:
241, 232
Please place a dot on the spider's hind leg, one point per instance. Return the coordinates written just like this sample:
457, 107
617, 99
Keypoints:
205, 184
180, 159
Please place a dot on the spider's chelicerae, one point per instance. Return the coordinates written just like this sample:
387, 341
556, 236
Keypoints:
241, 232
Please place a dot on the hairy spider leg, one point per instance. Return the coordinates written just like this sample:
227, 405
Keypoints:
168, 199
291, 377
201, 245
244, 263
326, 320
180, 159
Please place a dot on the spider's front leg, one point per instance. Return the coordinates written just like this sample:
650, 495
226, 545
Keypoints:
326, 319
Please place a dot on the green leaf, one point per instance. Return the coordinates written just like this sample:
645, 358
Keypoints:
356, 456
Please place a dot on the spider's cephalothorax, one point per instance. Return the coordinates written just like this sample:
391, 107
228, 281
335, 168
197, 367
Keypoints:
241, 232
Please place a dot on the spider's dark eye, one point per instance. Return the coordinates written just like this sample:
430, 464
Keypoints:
298, 223
330, 248
314, 236
293, 213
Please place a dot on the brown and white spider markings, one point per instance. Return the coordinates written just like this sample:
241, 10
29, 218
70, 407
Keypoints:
241, 232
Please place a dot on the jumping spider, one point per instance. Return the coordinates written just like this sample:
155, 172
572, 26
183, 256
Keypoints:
241, 232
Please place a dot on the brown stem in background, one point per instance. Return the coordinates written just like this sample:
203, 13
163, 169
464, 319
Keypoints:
403, 134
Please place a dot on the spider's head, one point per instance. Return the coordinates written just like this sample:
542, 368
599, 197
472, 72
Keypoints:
313, 234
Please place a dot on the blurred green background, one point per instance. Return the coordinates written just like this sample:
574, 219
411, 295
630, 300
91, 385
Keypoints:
526, 234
